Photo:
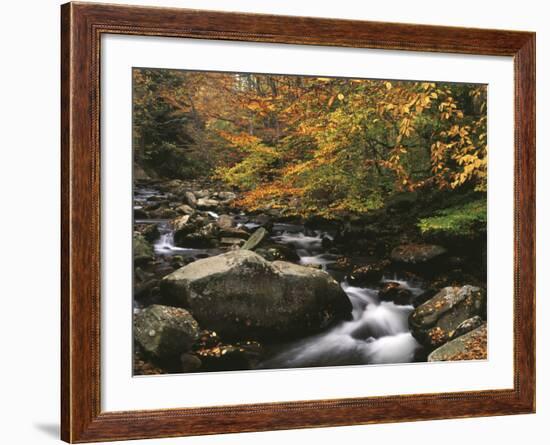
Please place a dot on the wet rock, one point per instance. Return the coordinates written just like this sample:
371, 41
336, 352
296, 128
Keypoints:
225, 222
165, 331
143, 252
227, 197
207, 204
255, 239
202, 194
190, 199
185, 209
470, 346
395, 292
467, 326
241, 295
164, 213
205, 236
173, 186
194, 231
433, 322
416, 253
368, 274
149, 231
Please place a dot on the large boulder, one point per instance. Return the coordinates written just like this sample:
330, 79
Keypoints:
241, 295
165, 332
470, 346
434, 322
416, 254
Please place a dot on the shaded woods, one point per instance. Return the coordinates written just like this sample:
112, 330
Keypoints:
349, 208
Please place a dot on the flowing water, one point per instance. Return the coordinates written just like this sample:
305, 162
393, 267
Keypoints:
377, 332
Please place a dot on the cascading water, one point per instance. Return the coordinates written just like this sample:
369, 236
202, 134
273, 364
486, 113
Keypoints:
377, 333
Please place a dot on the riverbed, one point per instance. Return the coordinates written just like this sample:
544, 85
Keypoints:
377, 331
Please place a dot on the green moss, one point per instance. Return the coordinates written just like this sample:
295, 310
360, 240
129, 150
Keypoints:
462, 220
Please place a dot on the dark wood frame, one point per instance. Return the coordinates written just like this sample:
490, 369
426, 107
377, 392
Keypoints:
81, 27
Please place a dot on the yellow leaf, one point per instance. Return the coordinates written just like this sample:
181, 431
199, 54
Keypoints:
340, 96
388, 85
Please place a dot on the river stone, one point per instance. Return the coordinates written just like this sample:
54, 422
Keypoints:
241, 295
396, 293
149, 231
202, 193
190, 199
143, 252
369, 273
470, 346
207, 203
185, 209
231, 241
173, 186
227, 196
165, 331
467, 326
433, 322
416, 253
255, 239
225, 222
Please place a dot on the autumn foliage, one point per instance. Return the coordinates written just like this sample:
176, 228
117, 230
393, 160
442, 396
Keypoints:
311, 145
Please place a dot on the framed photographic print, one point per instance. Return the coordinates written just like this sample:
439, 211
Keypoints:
275, 222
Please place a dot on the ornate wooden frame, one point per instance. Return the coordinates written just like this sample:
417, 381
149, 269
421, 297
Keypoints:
81, 27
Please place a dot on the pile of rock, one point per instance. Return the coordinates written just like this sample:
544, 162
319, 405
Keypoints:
441, 323
242, 297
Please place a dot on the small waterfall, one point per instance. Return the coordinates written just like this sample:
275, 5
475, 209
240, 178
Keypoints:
165, 244
378, 332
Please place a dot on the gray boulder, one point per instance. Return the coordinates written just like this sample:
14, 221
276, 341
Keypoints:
241, 295
434, 322
164, 331
470, 346
416, 253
